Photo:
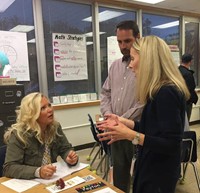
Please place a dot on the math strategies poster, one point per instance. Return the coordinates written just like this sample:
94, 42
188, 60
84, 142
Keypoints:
69, 57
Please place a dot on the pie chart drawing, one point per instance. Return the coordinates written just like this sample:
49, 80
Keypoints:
10, 53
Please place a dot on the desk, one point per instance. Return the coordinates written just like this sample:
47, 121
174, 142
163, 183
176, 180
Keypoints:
41, 187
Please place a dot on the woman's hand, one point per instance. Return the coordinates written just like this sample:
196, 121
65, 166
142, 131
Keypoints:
72, 158
110, 119
47, 171
115, 132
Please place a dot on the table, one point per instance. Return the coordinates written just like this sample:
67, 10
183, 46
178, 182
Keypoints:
41, 187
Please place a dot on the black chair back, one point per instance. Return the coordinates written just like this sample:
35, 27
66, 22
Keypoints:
93, 128
2, 158
95, 131
189, 147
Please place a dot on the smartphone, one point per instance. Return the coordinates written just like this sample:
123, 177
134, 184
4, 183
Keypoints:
99, 117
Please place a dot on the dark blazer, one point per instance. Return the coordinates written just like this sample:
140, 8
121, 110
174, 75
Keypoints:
189, 79
162, 122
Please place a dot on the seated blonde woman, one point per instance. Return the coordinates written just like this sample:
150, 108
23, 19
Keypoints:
35, 141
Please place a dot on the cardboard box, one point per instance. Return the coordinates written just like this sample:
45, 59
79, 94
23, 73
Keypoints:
7, 81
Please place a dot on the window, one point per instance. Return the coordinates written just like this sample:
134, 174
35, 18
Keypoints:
68, 18
192, 47
20, 12
107, 26
165, 27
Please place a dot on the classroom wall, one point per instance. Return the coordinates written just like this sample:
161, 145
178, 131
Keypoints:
196, 110
76, 126
75, 123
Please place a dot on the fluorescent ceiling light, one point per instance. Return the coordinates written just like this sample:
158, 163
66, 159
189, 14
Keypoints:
89, 43
167, 25
90, 34
150, 1
22, 28
105, 15
31, 41
5, 4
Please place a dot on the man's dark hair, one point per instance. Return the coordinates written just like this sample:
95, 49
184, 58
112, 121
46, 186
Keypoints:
186, 58
129, 25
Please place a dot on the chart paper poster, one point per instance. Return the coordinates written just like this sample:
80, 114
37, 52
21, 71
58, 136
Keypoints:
114, 52
175, 53
14, 45
69, 57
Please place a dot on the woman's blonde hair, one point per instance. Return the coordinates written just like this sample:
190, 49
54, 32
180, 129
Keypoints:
26, 122
156, 68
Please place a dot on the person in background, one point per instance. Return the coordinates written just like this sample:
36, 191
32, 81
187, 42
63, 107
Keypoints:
117, 97
187, 74
158, 135
35, 141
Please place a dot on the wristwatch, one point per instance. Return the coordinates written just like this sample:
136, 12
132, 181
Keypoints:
136, 139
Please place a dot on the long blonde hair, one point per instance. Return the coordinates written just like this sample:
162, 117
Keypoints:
156, 68
26, 122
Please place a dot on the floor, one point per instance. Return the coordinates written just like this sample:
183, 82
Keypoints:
190, 184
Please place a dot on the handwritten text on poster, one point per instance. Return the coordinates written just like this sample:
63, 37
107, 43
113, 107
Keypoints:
14, 45
69, 57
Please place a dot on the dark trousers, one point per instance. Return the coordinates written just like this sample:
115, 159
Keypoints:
189, 110
122, 154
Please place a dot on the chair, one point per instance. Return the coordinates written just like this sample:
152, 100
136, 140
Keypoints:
189, 154
97, 144
104, 149
2, 158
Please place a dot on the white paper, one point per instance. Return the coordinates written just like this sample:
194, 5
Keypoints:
68, 184
56, 100
70, 98
93, 96
69, 57
105, 190
83, 97
62, 170
88, 178
75, 98
113, 50
19, 185
14, 45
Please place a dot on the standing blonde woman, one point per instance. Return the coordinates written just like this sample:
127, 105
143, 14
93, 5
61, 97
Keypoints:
35, 141
158, 135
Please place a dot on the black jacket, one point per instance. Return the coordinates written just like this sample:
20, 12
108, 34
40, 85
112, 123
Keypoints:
162, 122
189, 79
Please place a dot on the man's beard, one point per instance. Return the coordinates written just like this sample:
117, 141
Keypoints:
125, 52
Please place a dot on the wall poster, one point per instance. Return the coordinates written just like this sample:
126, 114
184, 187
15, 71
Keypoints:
69, 57
113, 50
175, 53
14, 45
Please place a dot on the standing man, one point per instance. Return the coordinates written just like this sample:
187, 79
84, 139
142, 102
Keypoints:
117, 97
189, 79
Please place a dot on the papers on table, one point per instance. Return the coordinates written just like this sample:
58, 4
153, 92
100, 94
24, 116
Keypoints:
68, 184
105, 190
20, 185
62, 169
88, 178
